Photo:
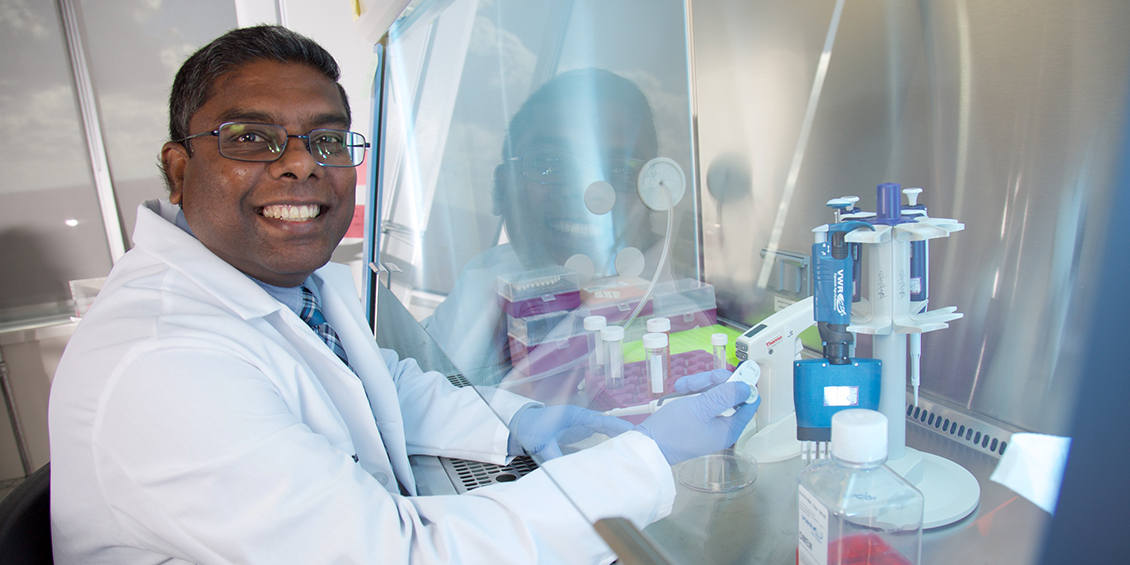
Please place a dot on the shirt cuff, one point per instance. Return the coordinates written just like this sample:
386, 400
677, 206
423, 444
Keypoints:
513, 446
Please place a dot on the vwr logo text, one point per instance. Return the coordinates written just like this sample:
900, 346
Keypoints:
838, 303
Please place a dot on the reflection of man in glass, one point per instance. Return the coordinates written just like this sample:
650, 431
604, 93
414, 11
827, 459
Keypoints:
566, 190
567, 184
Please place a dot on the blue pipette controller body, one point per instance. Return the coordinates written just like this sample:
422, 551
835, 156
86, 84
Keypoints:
838, 381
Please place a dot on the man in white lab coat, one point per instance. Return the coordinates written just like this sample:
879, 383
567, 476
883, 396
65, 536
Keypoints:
224, 401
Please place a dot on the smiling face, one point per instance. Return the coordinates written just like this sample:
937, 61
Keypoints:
550, 222
280, 221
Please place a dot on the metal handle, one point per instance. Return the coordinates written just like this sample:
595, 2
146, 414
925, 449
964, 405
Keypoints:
629, 543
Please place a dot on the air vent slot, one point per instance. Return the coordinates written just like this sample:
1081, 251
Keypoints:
458, 380
470, 475
963, 428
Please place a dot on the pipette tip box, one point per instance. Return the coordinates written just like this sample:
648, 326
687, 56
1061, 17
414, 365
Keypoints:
542, 291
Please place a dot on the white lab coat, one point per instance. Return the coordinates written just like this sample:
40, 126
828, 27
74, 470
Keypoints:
194, 417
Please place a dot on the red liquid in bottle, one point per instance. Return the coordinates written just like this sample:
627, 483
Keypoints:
863, 549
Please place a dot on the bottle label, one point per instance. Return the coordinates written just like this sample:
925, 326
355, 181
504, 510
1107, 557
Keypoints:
812, 530
655, 370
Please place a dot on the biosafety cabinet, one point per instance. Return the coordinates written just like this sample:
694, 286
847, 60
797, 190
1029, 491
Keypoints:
538, 164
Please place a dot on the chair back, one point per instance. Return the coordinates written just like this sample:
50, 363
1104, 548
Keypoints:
25, 521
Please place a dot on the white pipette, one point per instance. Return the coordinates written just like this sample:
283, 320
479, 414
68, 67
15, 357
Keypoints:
915, 363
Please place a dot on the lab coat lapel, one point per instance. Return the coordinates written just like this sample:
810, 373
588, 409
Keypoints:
347, 392
378, 449
159, 236
336, 287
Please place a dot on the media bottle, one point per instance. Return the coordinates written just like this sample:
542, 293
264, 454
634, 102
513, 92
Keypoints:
853, 509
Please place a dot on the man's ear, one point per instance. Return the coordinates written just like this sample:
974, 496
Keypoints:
174, 161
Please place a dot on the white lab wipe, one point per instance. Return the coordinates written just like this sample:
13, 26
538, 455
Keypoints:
1032, 466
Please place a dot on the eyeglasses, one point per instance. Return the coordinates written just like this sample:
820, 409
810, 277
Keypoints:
267, 142
554, 167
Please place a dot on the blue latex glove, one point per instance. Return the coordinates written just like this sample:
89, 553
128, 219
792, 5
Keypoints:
541, 430
690, 427
699, 382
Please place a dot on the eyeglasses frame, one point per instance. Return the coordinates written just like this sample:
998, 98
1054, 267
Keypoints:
365, 145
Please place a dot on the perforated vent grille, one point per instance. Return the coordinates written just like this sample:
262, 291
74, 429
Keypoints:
470, 475
459, 380
965, 429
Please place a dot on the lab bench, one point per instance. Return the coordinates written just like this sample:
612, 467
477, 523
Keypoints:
758, 524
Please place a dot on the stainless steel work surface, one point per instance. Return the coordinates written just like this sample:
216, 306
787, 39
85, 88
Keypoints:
758, 524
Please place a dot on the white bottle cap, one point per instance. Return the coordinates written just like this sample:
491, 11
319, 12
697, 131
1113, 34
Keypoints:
719, 339
654, 341
859, 436
593, 323
658, 325
612, 333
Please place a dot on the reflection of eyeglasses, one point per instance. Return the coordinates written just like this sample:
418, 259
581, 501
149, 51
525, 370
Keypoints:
552, 167
267, 142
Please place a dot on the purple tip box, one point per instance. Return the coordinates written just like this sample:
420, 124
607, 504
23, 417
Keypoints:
533, 293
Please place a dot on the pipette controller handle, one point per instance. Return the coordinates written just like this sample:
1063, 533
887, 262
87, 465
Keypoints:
747, 372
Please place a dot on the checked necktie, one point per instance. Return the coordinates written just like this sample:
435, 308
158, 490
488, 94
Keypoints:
312, 315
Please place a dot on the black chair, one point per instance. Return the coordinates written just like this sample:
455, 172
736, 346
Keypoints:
25, 521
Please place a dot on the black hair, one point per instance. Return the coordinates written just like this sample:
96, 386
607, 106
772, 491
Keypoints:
602, 86
194, 83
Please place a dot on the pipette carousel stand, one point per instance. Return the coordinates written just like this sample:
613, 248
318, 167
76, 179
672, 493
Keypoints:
951, 492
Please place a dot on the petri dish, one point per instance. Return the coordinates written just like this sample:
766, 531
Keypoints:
725, 471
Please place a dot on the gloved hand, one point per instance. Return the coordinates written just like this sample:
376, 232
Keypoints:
689, 427
699, 382
541, 430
